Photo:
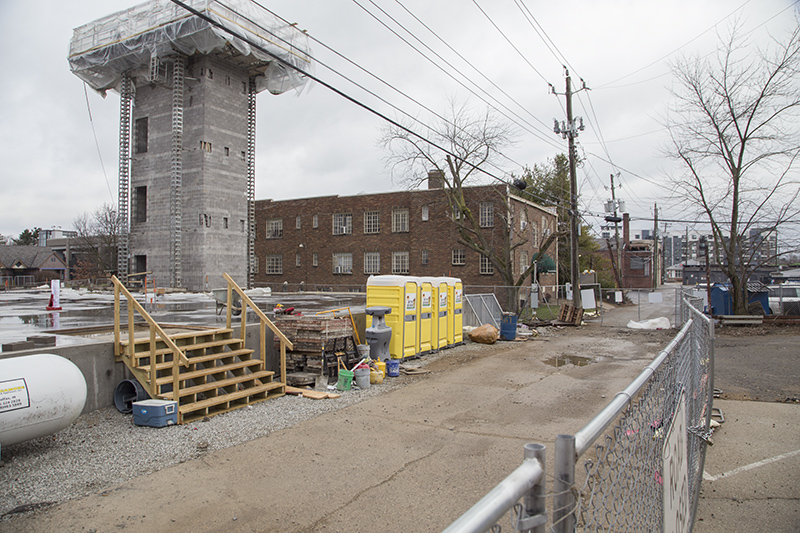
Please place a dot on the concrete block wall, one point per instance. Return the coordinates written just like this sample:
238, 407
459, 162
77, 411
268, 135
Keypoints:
214, 180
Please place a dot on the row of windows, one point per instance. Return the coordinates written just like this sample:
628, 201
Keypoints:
342, 262
342, 223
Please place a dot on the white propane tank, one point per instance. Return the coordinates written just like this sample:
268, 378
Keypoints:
39, 395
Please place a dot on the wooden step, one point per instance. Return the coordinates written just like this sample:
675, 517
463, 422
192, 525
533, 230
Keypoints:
178, 337
261, 374
200, 359
222, 404
209, 371
186, 348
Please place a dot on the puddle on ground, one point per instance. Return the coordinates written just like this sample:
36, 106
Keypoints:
561, 360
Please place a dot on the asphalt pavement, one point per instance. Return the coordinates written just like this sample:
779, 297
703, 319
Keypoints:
417, 457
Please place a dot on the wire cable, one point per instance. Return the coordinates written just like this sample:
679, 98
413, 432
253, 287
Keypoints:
97, 143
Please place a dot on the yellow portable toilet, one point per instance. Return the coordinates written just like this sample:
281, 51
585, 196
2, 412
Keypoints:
399, 293
425, 322
455, 320
439, 312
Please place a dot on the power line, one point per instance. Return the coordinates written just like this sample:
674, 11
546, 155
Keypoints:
537, 134
332, 88
509, 41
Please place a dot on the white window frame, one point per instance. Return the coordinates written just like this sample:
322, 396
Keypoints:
425, 257
342, 262
399, 262
372, 222
315, 259
274, 265
487, 214
425, 213
372, 262
342, 224
523, 261
297, 222
315, 221
458, 257
400, 222
274, 228
486, 267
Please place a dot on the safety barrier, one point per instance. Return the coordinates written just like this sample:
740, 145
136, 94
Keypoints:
642, 456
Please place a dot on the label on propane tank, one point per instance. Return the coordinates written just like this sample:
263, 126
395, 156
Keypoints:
14, 395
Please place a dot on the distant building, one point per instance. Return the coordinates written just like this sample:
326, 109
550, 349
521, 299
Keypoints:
337, 242
28, 265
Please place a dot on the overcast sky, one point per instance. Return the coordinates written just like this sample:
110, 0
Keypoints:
318, 143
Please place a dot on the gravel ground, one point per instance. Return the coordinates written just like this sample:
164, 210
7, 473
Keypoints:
104, 447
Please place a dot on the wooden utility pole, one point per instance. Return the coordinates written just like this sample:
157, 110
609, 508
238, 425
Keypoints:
655, 270
569, 130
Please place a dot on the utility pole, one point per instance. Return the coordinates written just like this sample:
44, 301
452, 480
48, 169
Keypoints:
616, 219
569, 130
655, 270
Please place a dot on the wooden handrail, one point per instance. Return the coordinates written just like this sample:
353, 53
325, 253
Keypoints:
178, 355
264, 318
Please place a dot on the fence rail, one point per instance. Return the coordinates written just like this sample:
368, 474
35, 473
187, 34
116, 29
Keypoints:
642, 456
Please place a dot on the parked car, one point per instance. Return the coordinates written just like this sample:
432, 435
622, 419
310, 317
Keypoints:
784, 299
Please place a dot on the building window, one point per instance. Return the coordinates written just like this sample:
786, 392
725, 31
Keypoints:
424, 257
400, 262
242, 227
486, 265
140, 204
424, 213
342, 224
205, 146
274, 228
487, 214
255, 265
243, 155
372, 262
274, 264
297, 222
343, 263
315, 260
534, 236
140, 135
400, 220
459, 257
140, 263
523, 220
523, 262
372, 222
225, 222
456, 212
227, 151
228, 81
205, 220
297, 260
315, 221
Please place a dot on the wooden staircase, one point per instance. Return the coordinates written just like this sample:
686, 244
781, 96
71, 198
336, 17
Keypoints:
207, 371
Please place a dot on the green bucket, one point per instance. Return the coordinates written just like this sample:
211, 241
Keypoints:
345, 380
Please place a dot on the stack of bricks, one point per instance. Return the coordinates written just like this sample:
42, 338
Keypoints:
309, 335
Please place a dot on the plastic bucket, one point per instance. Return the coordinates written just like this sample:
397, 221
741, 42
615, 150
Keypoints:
127, 392
345, 380
508, 327
362, 377
393, 368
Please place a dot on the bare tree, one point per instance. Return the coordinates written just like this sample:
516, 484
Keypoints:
464, 143
97, 241
733, 128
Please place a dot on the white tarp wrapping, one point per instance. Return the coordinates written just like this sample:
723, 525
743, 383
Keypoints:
101, 51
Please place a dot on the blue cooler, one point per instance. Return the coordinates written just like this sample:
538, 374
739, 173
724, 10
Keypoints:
155, 413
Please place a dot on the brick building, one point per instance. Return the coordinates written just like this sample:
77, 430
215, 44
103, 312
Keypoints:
337, 242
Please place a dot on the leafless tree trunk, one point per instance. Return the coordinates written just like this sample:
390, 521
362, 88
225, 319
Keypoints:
733, 128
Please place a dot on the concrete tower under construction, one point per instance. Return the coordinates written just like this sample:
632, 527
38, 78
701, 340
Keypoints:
188, 76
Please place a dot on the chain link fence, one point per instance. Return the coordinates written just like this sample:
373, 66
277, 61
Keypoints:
637, 465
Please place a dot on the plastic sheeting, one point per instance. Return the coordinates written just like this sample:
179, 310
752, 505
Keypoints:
101, 51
